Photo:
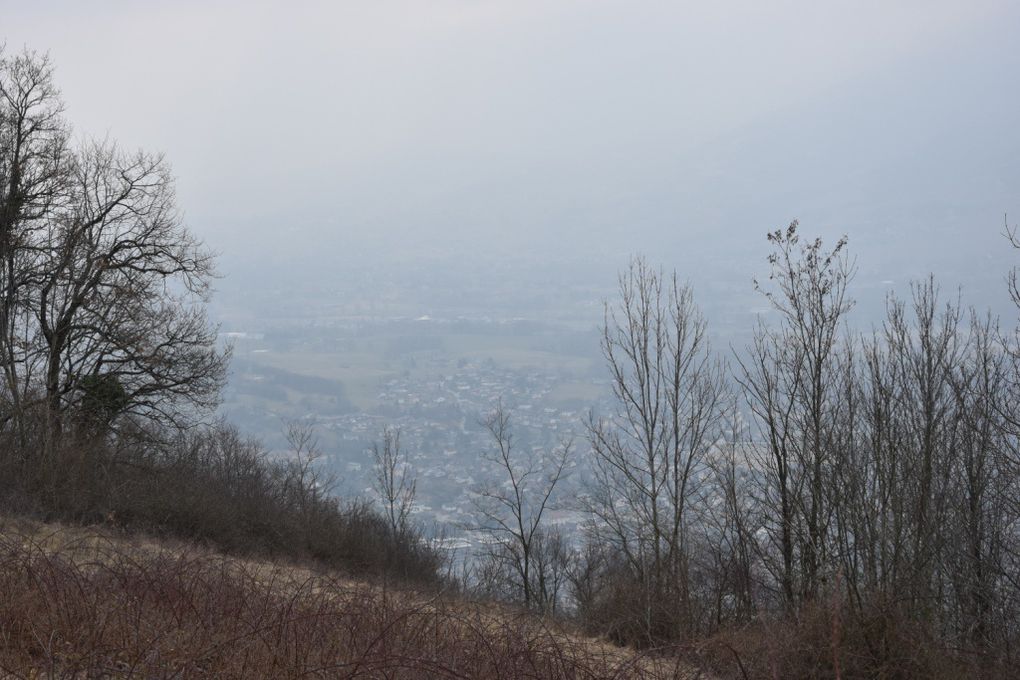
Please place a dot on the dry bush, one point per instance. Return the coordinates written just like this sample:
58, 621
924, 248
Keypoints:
104, 608
828, 641
213, 486
612, 602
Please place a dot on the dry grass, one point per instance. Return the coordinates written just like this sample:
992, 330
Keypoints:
89, 603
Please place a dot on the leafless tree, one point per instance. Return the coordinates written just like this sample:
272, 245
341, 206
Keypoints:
894, 444
34, 162
925, 352
1009, 412
305, 481
511, 507
1013, 236
649, 454
770, 375
121, 296
102, 309
730, 525
394, 480
981, 490
881, 487
789, 380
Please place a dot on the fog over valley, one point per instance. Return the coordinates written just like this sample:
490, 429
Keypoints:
509, 256
417, 199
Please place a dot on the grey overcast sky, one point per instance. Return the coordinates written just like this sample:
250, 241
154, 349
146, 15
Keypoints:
449, 124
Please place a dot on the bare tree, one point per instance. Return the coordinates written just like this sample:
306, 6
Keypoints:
511, 508
926, 513
981, 490
102, 306
1013, 236
925, 353
34, 161
304, 481
1009, 412
394, 480
789, 382
649, 454
770, 376
121, 296
894, 449
882, 488
730, 525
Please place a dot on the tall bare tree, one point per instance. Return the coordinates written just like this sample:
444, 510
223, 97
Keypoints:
34, 164
121, 296
394, 480
1010, 414
304, 480
730, 526
1012, 234
882, 488
980, 491
925, 353
649, 453
511, 507
790, 382
103, 287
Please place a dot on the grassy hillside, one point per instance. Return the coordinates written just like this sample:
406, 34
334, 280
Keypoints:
98, 603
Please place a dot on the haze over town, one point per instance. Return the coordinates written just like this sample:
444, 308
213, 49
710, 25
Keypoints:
421, 207
505, 338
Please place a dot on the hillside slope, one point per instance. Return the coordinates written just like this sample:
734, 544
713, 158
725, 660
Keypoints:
96, 603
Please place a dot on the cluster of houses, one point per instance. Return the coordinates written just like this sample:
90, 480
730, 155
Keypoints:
440, 421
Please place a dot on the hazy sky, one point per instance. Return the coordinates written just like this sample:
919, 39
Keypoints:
462, 124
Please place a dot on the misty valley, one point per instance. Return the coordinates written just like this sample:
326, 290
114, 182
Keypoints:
433, 379
571, 340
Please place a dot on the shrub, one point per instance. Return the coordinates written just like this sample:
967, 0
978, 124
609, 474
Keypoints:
102, 608
827, 640
215, 486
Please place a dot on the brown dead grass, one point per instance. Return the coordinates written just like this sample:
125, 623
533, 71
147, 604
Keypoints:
90, 603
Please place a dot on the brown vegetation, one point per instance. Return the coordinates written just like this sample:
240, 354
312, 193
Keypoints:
862, 522
83, 604
214, 486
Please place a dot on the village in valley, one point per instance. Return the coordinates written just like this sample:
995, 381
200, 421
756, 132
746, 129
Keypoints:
435, 399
